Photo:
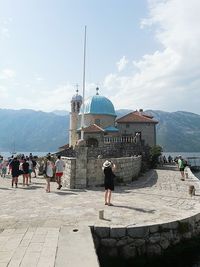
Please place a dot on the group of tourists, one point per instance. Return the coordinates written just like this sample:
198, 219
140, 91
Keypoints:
17, 166
49, 170
25, 166
165, 160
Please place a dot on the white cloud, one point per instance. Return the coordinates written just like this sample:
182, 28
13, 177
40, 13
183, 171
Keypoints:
3, 93
121, 64
7, 74
4, 28
46, 99
167, 79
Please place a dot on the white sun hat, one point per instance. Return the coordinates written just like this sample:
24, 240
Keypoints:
107, 164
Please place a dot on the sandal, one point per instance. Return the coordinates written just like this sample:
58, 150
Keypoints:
110, 204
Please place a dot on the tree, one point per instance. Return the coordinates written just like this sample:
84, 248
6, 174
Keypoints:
155, 152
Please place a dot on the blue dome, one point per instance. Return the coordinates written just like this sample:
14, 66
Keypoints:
98, 104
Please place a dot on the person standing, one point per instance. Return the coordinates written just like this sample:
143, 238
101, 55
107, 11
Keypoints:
30, 168
1, 166
108, 168
15, 171
4, 168
60, 165
10, 165
34, 162
181, 167
25, 168
49, 166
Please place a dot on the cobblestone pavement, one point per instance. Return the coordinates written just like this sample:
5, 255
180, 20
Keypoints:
159, 196
29, 213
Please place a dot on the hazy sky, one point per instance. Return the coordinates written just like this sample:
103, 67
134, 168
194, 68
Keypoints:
141, 54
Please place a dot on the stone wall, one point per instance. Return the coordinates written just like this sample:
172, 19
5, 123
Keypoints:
69, 172
83, 172
117, 150
127, 168
130, 242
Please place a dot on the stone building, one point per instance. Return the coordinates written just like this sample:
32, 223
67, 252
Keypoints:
101, 124
124, 140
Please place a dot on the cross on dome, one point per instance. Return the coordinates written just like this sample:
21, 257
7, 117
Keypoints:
77, 89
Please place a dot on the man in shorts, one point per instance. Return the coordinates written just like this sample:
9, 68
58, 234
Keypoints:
60, 165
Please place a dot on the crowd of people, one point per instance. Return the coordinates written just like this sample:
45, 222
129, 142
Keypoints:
178, 160
26, 166
164, 160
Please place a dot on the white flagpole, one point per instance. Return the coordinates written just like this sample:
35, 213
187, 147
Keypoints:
83, 108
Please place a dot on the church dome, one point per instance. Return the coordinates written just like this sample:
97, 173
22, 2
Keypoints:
98, 104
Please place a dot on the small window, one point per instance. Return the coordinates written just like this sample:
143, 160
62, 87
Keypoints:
127, 125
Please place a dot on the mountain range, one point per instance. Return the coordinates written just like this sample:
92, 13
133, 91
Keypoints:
29, 130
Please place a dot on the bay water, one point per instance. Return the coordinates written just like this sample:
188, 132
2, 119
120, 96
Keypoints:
38, 153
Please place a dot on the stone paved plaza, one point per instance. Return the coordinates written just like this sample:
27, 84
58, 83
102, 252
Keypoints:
36, 226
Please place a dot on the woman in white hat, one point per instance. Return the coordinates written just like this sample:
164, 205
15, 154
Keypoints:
108, 168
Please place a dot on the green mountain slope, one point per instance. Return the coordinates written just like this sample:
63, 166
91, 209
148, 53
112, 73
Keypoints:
178, 131
29, 130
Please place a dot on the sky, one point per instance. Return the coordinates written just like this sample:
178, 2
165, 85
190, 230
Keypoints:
140, 53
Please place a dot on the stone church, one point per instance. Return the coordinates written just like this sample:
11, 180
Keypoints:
101, 125
96, 134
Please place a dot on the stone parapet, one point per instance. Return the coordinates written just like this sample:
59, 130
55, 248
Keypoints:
82, 172
151, 240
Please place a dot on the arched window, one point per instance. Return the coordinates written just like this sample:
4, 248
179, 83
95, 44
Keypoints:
74, 107
78, 107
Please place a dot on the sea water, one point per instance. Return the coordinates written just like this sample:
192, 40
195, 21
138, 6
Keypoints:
39, 154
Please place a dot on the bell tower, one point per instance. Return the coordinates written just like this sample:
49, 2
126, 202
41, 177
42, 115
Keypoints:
75, 109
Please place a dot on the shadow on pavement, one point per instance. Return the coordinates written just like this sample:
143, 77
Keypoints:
4, 188
61, 193
136, 209
31, 187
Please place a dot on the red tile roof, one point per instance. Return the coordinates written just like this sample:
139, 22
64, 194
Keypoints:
93, 129
136, 116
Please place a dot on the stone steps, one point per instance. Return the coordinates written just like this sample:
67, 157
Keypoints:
76, 248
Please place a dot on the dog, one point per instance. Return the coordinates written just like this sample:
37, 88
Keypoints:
191, 190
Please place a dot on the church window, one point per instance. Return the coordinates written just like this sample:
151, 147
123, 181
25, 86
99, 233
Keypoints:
74, 107
78, 107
